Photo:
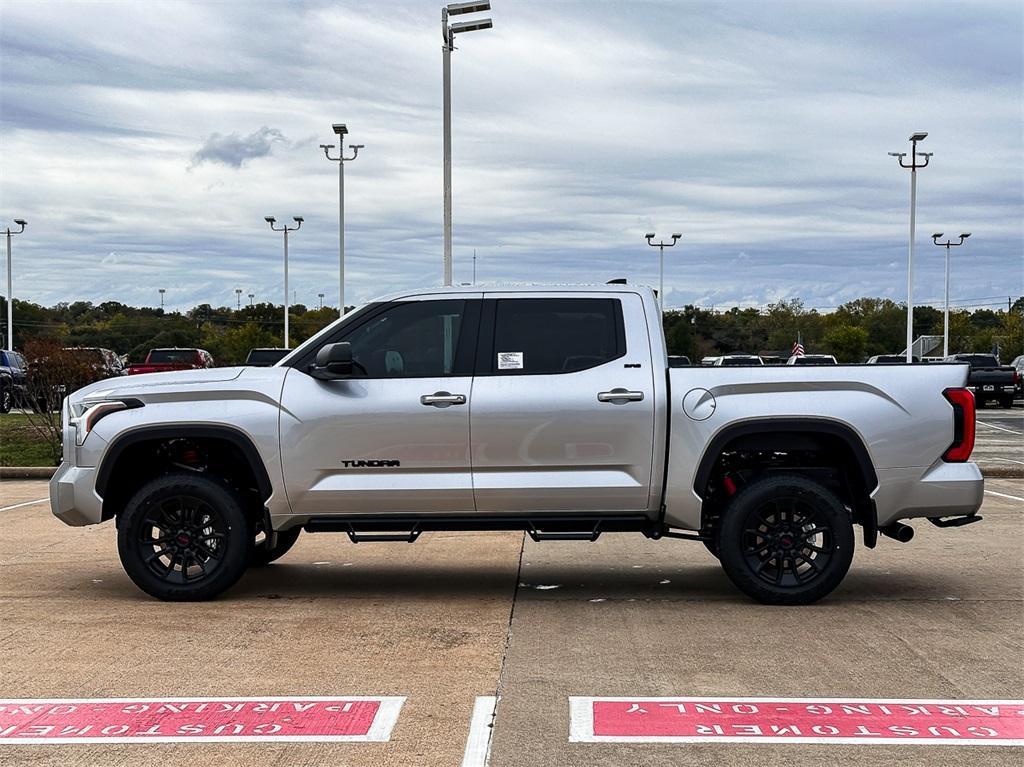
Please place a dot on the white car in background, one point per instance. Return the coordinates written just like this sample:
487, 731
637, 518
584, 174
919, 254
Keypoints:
812, 359
738, 360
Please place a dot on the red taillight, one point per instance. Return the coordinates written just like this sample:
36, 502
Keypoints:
962, 401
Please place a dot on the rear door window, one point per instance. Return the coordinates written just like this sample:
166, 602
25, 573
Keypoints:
544, 336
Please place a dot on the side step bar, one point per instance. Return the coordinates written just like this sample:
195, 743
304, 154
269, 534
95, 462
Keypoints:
406, 528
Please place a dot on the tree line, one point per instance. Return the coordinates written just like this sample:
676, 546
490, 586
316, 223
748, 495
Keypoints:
854, 331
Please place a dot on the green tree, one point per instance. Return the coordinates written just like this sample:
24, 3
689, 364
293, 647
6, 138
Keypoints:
847, 343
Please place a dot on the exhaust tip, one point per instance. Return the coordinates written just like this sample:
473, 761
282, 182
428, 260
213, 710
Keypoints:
898, 532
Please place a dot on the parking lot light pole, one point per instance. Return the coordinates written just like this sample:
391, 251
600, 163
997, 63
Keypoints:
912, 167
10, 283
298, 225
661, 263
448, 32
341, 159
945, 315
238, 298
251, 297
321, 297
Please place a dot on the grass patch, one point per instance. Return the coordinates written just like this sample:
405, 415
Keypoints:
22, 445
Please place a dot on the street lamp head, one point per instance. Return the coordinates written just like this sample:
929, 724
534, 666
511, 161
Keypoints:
965, 235
325, 147
340, 128
937, 235
925, 154
897, 154
919, 136
298, 219
20, 221
471, 26
649, 236
458, 8
676, 236
269, 219
356, 146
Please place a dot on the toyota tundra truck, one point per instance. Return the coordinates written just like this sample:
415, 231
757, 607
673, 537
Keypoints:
546, 410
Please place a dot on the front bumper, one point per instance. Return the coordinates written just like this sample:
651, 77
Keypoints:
941, 490
73, 498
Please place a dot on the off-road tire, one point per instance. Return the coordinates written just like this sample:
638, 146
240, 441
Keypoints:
199, 523
786, 540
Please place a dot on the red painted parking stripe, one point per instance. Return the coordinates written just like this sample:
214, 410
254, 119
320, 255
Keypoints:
169, 720
796, 720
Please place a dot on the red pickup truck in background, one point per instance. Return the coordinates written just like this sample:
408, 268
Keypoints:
162, 360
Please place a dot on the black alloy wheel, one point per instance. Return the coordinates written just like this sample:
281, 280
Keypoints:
786, 540
184, 537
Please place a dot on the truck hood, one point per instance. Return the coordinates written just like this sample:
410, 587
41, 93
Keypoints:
180, 380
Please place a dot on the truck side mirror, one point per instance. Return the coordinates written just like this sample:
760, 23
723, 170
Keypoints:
333, 361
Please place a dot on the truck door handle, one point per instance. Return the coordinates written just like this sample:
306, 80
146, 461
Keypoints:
619, 396
443, 399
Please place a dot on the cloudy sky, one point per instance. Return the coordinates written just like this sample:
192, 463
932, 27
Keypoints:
145, 142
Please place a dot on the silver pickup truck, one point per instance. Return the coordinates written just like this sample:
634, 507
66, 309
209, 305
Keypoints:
548, 410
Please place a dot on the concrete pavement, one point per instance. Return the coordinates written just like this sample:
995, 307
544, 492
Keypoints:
456, 616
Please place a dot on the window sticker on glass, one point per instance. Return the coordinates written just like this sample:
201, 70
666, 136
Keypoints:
510, 360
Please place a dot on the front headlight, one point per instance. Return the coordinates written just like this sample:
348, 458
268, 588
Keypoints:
87, 413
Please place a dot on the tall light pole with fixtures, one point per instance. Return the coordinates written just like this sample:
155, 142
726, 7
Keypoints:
161, 291
912, 167
945, 317
321, 297
298, 225
10, 282
238, 298
661, 266
340, 129
251, 297
448, 32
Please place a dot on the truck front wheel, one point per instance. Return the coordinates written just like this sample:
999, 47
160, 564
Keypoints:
184, 537
786, 540
268, 548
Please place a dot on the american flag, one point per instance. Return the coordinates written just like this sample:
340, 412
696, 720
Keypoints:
798, 349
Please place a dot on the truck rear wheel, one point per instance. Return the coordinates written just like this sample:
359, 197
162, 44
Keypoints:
786, 540
184, 537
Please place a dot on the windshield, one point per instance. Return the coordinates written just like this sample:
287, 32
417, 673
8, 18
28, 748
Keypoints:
160, 356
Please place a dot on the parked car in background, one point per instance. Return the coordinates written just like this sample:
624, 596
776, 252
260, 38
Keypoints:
264, 358
13, 378
1018, 365
812, 359
988, 379
738, 360
708, 361
890, 359
164, 360
679, 361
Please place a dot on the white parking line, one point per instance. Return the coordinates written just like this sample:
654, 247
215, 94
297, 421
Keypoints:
1001, 428
1008, 460
478, 744
1004, 495
26, 503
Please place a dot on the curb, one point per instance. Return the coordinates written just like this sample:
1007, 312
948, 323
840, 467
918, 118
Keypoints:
45, 472
27, 472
